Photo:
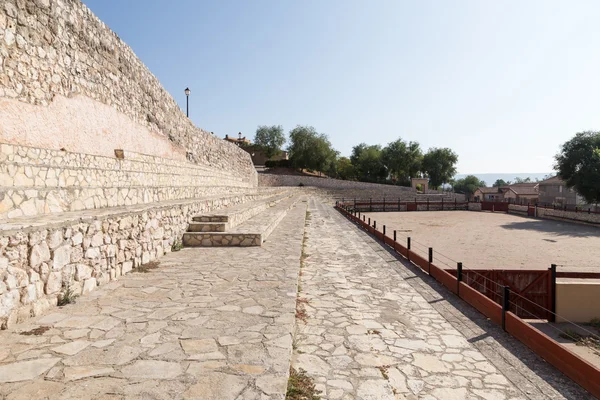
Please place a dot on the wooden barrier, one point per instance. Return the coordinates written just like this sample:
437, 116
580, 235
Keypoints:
569, 363
444, 278
419, 261
484, 305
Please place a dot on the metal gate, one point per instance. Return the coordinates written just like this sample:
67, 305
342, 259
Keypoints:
533, 289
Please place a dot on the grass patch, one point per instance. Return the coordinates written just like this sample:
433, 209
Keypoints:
145, 268
383, 369
301, 387
595, 323
67, 297
177, 245
582, 340
37, 331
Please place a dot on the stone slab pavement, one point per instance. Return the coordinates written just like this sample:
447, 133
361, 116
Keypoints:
369, 334
209, 323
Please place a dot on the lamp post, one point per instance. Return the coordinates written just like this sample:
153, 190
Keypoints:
187, 102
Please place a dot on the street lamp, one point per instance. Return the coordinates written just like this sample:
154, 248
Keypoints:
187, 102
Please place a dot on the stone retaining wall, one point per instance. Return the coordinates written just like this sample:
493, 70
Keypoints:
474, 206
569, 215
36, 181
37, 262
355, 190
67, 81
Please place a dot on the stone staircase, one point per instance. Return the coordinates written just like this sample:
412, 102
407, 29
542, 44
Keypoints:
247, 224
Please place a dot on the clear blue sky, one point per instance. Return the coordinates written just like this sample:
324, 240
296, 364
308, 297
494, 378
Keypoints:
503, 83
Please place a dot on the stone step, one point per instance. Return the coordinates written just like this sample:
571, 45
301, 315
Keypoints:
208, 226
236, 215
252, 232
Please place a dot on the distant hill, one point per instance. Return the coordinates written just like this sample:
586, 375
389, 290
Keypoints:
489, 179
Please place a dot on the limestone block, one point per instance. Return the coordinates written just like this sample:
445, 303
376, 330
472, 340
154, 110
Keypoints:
77, 238
8, 302
61, 257
126, 267
39, 253
54, 282
145, 257
89, 285
97, 240
92, 252
28, 294
20, 278
55, 239
3, 263
76, 254
82, 272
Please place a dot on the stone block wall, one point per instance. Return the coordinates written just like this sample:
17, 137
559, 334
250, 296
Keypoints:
568, 215
37, 262
67, 81
351, 189
36, 181
474, 206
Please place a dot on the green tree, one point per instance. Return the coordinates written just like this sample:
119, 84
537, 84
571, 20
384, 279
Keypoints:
468, 185
403, 160
578, 164
310, 149
522, 180
344, 168
440, 165
270, 139
367, 163
500, 183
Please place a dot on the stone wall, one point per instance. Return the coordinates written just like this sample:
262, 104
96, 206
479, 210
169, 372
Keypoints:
573, 216
86, 251
67, 81
36, 181
474, 206
355, 190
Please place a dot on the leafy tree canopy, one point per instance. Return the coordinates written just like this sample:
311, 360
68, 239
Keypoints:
344, 168
468, 185
578, 164
440, 165
270, 139
500, 183
403, 160
310, 149
522, 180
367, 163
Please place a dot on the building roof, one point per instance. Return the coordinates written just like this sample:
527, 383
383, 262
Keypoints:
487, 190
528, 188
555, 180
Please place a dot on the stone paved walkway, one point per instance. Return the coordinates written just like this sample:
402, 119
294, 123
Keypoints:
371, 335
211, 323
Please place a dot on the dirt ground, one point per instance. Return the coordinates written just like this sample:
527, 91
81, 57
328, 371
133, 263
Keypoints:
496, 240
